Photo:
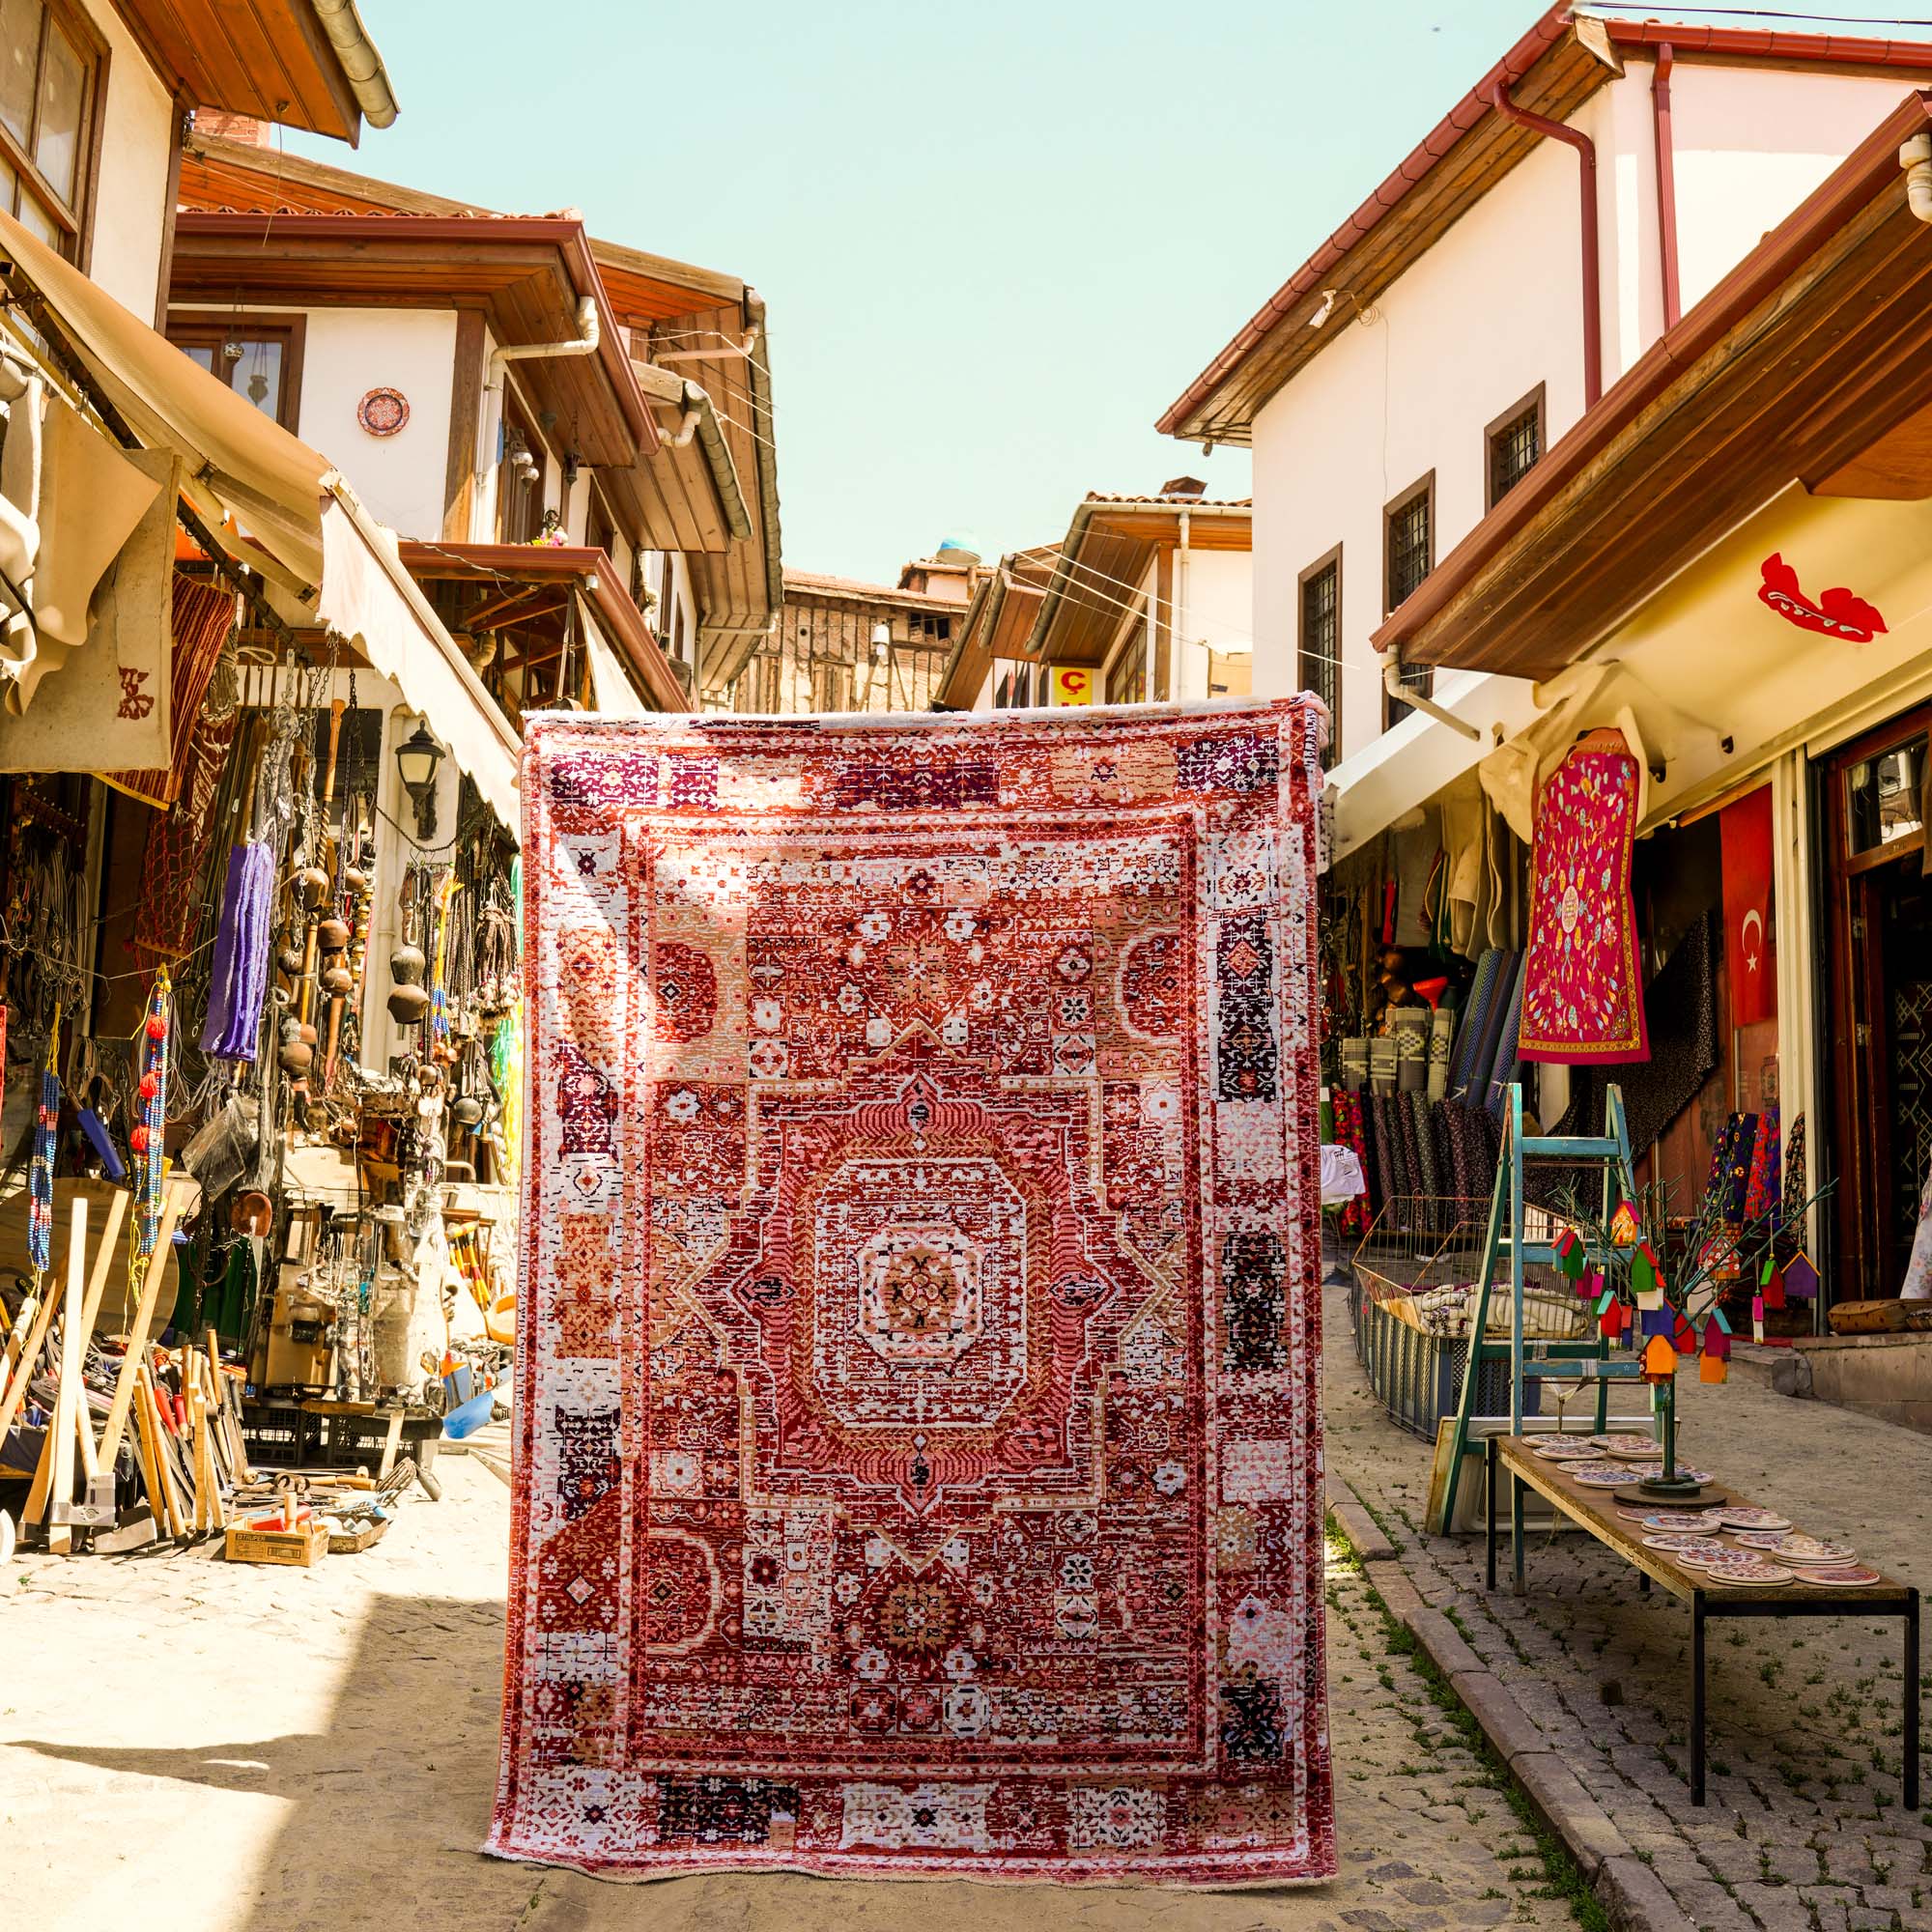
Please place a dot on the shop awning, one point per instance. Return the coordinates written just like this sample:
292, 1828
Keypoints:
369, 598
240, 464
616, 695
1408, 764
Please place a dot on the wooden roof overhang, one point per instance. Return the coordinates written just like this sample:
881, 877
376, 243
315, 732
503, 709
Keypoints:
525, 273
524, 582
1553, 69
1105, 556
998, 622
1808, 363
664, 306
271, 59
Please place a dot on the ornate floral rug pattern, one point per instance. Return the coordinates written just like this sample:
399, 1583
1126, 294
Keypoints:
919, 1460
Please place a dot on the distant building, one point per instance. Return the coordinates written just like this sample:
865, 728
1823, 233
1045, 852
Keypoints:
846, 646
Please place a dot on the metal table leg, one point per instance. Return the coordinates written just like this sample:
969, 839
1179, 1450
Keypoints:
1492, 1463
1912, 1702
1516, 1531
1697, 1696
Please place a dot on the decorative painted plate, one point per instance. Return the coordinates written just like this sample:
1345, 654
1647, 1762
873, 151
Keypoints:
1839, 1575
1566, 1450
1641, 1448
1735, 1576
1706, 1520
1685, 1547
1793, 1547
1686, 1474
1738, 1516
1603, 1475
382, 412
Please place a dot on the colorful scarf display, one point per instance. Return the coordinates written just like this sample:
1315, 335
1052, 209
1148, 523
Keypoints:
1582, 996
41, 1170
148, 1141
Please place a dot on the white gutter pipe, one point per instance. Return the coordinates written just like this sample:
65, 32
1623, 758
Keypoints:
1180, 619
362, 64
584, 343
1416, 700
1915, 159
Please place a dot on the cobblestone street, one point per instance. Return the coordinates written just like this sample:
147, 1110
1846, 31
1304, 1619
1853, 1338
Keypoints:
1804, 1832
310, 1750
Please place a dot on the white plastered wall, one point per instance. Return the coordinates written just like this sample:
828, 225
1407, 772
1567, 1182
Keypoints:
130, 211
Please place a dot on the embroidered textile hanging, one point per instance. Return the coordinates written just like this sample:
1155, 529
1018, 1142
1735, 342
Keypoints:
918, 1360
1582, 990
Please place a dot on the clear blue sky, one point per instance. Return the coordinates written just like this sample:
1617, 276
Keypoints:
996, 240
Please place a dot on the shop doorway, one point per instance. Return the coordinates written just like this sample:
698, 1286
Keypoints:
1881, 1048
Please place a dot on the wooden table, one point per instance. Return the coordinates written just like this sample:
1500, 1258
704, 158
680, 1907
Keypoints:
1596, 1511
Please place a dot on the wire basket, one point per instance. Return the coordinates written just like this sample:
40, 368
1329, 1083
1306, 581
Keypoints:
1411, 1304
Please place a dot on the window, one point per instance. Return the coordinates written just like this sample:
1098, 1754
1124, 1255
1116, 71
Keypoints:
1513, 446
519, 479
1320, 642
1126, 675
1408, 555
259, 356
52, 69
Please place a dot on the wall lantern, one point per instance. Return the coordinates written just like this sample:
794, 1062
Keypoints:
417, 761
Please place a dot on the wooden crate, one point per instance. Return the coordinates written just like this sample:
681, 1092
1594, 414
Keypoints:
303, 1546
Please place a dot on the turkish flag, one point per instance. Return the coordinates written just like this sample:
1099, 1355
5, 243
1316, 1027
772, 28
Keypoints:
1745, 829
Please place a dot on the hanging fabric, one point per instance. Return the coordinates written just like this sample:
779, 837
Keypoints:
239, 979
40, 1171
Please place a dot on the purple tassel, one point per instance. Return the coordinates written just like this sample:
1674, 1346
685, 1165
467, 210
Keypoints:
239, 979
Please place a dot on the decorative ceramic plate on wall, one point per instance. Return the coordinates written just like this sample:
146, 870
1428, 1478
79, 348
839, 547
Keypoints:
382, 412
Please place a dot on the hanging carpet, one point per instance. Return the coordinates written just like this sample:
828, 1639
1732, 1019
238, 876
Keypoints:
919, 1467
1583, 998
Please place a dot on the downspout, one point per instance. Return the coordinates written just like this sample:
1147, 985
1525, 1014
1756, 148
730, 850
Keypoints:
1586, 156
1666, 184
1416, 700
1179, 618
583, 343
1915, 159
698, 423
362, 64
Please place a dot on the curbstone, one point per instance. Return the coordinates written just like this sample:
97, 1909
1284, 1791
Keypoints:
1390, 1582
1588, 1831
1637, 1900
1510, 1733
1359, 1529
1443, 1641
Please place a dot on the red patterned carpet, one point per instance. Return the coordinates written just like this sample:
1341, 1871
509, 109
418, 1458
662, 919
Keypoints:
918, 1470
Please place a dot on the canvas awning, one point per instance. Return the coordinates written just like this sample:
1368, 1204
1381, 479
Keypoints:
370, 599
617, 697
240, 464
323, 557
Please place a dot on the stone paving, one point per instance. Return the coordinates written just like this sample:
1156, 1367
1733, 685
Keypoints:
186, 1743
1803, 1830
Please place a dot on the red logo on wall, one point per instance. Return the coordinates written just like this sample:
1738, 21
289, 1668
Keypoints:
1836, 613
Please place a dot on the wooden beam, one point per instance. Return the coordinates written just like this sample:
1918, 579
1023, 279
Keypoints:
465, 407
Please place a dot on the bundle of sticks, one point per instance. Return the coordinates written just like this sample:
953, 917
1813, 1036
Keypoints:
179, 1408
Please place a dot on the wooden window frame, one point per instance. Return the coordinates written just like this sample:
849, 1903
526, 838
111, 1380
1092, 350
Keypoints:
196, 326
1329, 560
1537, 400
522, 421
76, 220
1424, 487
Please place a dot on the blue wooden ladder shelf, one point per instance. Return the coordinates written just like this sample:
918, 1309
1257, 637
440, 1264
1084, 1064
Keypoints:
1507, 1252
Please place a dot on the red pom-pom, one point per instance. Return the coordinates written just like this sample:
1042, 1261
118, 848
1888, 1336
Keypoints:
158, 1026
150, 1085
138, 1140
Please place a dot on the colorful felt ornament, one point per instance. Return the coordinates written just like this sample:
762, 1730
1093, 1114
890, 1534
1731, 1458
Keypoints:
1660, 1359
1590, 1285
1773, 1290
1685, 1336
1568, 1249
1612, 1319
41, 1169
1626, 1230
1713, 1368
1717, 1338
1800, 1278
1757, 1318
1658, 1320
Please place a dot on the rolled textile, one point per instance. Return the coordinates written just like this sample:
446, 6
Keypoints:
1763, 1192
1445, 1154
1423, 1129
239, 976
1441, 1034
1388, 1146
1475, 1017
1410, 1028
1503, 1063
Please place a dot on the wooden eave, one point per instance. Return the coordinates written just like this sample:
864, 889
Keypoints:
1812, 351
266, 58
587, 570
998, 623
526, 273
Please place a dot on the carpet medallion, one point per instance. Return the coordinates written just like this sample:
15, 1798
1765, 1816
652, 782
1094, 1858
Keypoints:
919, 1460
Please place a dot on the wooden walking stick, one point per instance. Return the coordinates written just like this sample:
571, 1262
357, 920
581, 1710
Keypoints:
173, 1195
60, 1537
